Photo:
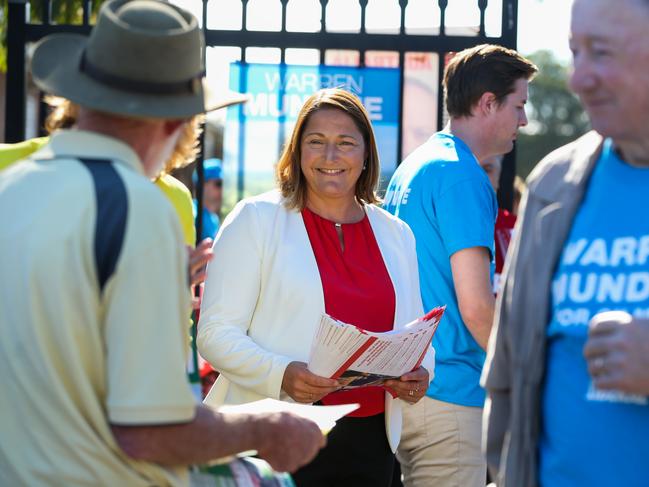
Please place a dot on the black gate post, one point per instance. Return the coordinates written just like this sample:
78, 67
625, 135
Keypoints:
15, 89
508, 173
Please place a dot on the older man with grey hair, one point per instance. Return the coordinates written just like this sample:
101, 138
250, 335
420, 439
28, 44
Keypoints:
567, 373
94, 302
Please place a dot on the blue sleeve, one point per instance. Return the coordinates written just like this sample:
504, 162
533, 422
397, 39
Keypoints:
466, 212
211, 224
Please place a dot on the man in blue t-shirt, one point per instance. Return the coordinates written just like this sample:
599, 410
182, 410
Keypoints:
604, 266
567, 373
441, 191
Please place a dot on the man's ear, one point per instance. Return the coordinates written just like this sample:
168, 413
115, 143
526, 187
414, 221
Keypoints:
488, 103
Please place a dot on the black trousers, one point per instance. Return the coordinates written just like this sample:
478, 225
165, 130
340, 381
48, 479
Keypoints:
357, 455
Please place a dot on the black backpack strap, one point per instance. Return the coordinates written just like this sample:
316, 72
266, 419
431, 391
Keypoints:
112, 211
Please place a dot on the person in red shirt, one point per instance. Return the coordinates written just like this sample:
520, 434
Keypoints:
504, 222
319, 244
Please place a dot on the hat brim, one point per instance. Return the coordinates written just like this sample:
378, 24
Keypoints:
55, 69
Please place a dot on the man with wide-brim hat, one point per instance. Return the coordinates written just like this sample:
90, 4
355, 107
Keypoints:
134, 63
93, 273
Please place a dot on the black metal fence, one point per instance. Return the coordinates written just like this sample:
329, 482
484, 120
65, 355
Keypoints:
399, 40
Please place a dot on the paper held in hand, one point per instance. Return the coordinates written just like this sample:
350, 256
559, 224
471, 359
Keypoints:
361, 358
324, 416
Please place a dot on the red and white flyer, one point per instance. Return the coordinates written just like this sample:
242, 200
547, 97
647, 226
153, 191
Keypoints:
361, 358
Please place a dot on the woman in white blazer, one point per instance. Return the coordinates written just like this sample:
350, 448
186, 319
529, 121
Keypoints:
318, 244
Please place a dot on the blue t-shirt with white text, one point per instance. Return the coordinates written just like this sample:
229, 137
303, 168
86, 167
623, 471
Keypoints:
593, 437
445, 197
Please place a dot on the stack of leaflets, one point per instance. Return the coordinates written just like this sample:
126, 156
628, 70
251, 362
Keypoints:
359, 358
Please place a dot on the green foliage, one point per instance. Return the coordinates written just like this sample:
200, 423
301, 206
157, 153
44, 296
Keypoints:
530, 149
63, 12
3, 35
556, 116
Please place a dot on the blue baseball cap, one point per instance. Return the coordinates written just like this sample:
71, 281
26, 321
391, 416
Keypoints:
212, 169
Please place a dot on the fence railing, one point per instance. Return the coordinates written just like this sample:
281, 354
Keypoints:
400, 39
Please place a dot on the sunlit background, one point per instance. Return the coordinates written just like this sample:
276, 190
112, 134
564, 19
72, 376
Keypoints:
543, 25
250, 148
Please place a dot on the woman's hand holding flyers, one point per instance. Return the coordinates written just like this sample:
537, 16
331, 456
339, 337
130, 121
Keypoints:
410, 387
304, 386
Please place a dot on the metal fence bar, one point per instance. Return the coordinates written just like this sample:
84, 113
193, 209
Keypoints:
241, 162
509, 24
482, 5
35, 32
323, 15
508, 38
402, 71
15, 89
363, 4
87, 12
441, 62
47, 12
403, 4
343, 40
20, 32
283, 24
442, 22
244, 19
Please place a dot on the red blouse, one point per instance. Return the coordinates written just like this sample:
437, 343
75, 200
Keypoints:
357, 290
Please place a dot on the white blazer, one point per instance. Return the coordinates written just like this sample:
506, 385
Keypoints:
263, 299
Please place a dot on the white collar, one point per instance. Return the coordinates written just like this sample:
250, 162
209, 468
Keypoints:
84, 144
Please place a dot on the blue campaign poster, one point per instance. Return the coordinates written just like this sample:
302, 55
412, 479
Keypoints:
255, 132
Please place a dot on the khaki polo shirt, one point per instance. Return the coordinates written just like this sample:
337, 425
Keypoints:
93, 313
174, 190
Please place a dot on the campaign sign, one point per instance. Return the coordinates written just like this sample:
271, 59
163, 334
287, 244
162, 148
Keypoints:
256, 131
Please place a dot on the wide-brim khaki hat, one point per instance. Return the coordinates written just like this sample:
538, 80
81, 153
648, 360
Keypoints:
143, 58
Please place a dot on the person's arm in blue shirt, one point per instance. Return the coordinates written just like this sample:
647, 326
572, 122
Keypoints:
467, 213
471, 278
